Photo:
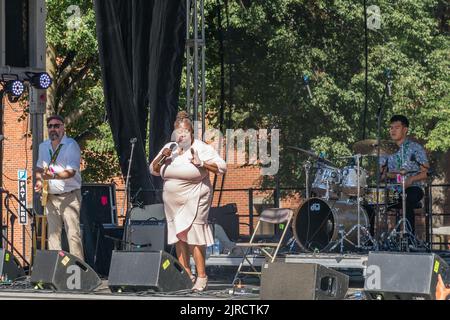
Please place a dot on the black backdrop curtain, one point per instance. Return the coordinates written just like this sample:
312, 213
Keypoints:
141, 48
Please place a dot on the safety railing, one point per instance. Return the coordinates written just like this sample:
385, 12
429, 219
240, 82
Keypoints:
248, 216
8, 234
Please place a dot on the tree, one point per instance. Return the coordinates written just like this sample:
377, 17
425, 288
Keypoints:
76, 92
270, 45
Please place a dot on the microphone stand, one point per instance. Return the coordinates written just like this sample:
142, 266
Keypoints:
387, 88
127, 191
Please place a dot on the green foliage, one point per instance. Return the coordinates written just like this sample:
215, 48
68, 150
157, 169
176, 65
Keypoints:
270, 45
101, 154
77, 93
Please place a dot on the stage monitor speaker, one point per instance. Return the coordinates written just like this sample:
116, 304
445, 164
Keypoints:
142, 271
403, 276
302, 281
61, 271
10, 268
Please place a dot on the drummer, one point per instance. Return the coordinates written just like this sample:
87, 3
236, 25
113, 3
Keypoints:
411, 156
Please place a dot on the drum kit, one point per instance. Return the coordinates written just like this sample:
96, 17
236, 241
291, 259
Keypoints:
338, 207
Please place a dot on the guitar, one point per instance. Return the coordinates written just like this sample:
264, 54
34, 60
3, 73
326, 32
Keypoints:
44, 192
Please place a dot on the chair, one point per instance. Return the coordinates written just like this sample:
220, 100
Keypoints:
273, 216
40, 234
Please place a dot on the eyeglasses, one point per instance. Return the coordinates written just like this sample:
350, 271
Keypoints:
56, 126
181, 131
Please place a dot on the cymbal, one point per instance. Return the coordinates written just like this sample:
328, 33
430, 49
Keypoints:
404, 172
369, 147
312, 154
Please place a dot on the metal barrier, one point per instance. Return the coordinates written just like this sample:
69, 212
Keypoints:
11, 218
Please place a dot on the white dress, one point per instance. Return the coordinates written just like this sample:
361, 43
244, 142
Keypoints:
187, 194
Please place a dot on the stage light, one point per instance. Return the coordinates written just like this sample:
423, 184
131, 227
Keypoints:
41, 80
14, 87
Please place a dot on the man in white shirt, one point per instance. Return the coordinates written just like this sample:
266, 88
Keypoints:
59, 165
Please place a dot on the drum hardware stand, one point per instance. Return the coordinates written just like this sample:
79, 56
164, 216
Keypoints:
307, 166
403, 238
358, 225
340, 242
358, 192
344, 236
404, 245
386, 91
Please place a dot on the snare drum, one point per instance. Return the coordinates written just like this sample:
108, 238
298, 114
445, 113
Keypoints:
350, 180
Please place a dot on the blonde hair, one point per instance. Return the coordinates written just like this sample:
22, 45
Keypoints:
183, 117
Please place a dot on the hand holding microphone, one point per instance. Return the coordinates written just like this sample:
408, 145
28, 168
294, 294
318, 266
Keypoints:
167, 153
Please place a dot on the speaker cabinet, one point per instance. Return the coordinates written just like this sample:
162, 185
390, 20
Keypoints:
403, 276
142, 271
226, 217
302, 281
10, 268
146, 230
61, 271
98, 205
146, 236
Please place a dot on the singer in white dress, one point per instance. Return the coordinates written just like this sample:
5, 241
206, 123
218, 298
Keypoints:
187, 194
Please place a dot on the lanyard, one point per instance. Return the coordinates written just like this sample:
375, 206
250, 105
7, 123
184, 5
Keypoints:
54, 156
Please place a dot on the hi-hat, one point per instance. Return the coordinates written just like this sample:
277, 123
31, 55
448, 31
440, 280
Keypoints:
369, 147
312, 154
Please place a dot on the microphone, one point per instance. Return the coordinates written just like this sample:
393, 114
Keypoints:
133, 140
387, 73
306, 82
172, 148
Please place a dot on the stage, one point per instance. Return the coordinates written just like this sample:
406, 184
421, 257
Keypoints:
220, 269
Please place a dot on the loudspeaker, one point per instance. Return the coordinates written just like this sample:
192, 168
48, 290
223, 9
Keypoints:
302, 281
226, 216
146, 229
142, 271
146, 236
98, 204
61, 271
403, 276
10, 268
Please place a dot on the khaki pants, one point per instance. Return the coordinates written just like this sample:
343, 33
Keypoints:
65, 209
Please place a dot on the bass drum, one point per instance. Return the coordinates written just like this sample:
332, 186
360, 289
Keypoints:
317, 221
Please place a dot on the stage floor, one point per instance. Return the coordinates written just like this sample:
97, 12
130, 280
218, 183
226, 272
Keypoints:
216, 291
221, 270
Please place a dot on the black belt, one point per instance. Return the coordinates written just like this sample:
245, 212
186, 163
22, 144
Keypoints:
63, 194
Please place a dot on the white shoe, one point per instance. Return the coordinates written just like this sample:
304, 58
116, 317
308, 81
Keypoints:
201, 284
